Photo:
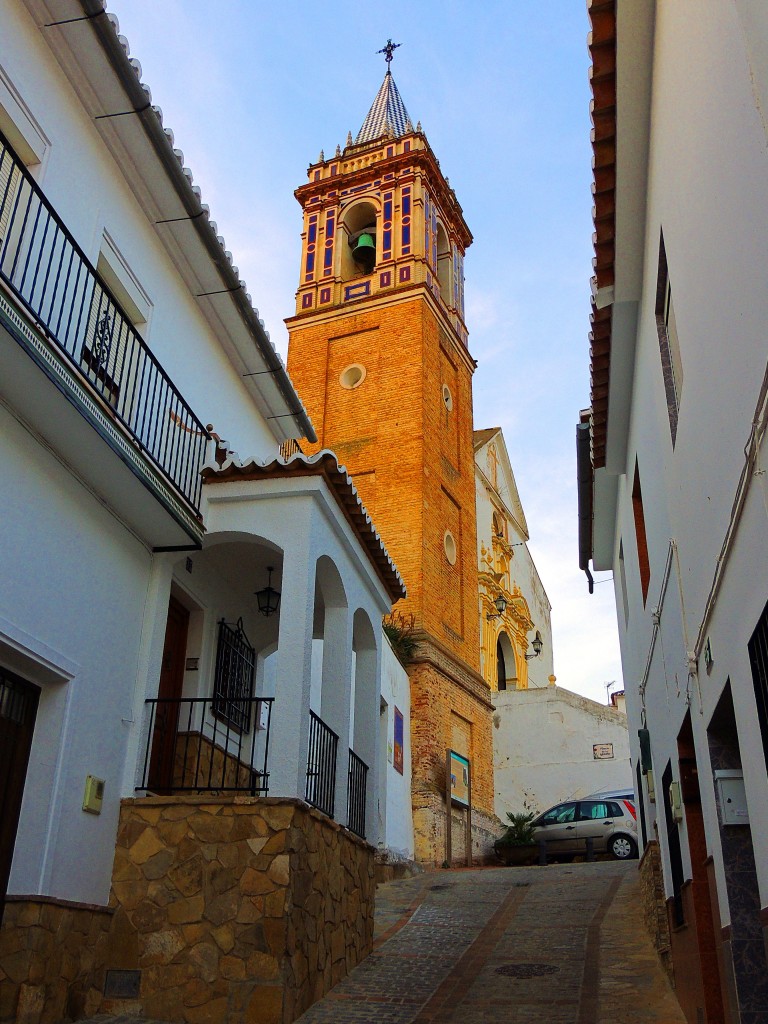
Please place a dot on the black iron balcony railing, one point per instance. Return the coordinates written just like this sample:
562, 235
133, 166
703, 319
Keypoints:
321, 765
51, 276
358, 775
191, 748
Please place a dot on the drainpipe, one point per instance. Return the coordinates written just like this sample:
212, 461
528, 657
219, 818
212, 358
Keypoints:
584, 492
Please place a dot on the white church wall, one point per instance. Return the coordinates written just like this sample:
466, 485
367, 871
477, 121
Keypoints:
526, 576
543, 748
522, 570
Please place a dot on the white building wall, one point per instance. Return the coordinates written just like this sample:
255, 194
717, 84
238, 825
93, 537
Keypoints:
543, 749
74, 583
707, 174
89, 192
395, 808
83, 601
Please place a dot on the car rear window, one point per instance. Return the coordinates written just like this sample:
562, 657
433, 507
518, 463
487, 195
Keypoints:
591, 811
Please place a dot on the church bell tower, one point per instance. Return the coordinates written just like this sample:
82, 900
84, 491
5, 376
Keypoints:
379, 353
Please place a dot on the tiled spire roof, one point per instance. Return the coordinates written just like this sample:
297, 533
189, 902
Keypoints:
387, 113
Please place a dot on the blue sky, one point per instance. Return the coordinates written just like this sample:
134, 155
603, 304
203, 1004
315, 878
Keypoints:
254, 90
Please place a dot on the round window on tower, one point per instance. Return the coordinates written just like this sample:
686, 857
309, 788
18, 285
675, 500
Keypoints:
447, 398
352, 376
449, 546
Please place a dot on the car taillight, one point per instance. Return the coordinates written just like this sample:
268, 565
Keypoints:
631, 808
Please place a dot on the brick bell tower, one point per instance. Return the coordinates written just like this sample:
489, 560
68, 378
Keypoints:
378, 352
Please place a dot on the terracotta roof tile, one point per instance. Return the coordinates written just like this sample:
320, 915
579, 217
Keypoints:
602, 48
323, 464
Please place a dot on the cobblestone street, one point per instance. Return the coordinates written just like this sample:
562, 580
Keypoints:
563, 944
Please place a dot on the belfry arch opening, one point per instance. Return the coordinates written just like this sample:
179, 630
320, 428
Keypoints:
444, 265
360, 241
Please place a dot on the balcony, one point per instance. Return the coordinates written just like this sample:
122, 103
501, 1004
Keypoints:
321, 765
356, 794
201, 745
221, 745
103, 401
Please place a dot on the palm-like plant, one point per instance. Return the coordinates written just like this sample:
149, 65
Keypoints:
519, 831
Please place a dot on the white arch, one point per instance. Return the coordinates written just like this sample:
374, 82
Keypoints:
509, 656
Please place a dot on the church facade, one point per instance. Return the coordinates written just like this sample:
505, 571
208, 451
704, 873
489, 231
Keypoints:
381, 277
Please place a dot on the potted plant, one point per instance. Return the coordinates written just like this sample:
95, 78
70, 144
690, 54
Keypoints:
518, 844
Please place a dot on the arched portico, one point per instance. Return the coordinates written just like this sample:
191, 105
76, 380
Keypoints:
364, 733
328, 757
334, 579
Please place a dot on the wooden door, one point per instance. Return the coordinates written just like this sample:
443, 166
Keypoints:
18, 708
166, 718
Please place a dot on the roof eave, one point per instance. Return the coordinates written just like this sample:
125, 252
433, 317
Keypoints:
621, 47
289, 418
323, 464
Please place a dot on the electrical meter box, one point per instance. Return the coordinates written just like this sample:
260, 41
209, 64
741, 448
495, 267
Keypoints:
94, 794
651, 787
732, 798
675, 801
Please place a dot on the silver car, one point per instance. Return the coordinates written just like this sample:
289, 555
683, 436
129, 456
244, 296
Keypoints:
609, 821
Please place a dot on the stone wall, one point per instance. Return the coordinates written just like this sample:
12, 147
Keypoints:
485, 831
237, 908
199, 761
654, 904
52, 955
442, 700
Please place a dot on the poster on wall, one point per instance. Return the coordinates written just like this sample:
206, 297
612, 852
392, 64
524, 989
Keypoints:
602, 751
398, 760
459, 768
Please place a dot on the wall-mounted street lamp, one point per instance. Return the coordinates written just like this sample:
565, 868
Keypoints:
500, 604
268, 599
537, 646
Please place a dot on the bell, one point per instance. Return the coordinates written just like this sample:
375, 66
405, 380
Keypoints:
364, 251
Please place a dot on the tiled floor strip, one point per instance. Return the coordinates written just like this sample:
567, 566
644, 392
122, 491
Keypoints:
589, 1000
450, 993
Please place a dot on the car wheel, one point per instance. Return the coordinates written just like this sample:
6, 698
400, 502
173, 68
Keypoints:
622, 847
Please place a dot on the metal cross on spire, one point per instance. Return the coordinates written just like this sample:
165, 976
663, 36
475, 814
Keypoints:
388, 50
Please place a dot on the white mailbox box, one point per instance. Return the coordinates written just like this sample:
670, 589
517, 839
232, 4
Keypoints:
729, 783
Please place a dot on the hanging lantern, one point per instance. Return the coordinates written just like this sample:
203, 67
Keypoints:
268, 599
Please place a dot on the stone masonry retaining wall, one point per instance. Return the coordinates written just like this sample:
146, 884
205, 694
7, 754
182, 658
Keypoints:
51, 959
236, 910
654, 904
244, 909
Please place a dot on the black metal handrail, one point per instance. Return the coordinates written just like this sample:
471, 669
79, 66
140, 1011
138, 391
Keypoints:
321, 765
49, 273
358, 775
190, 748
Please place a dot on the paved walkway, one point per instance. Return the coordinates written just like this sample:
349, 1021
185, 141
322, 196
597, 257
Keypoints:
564, 944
